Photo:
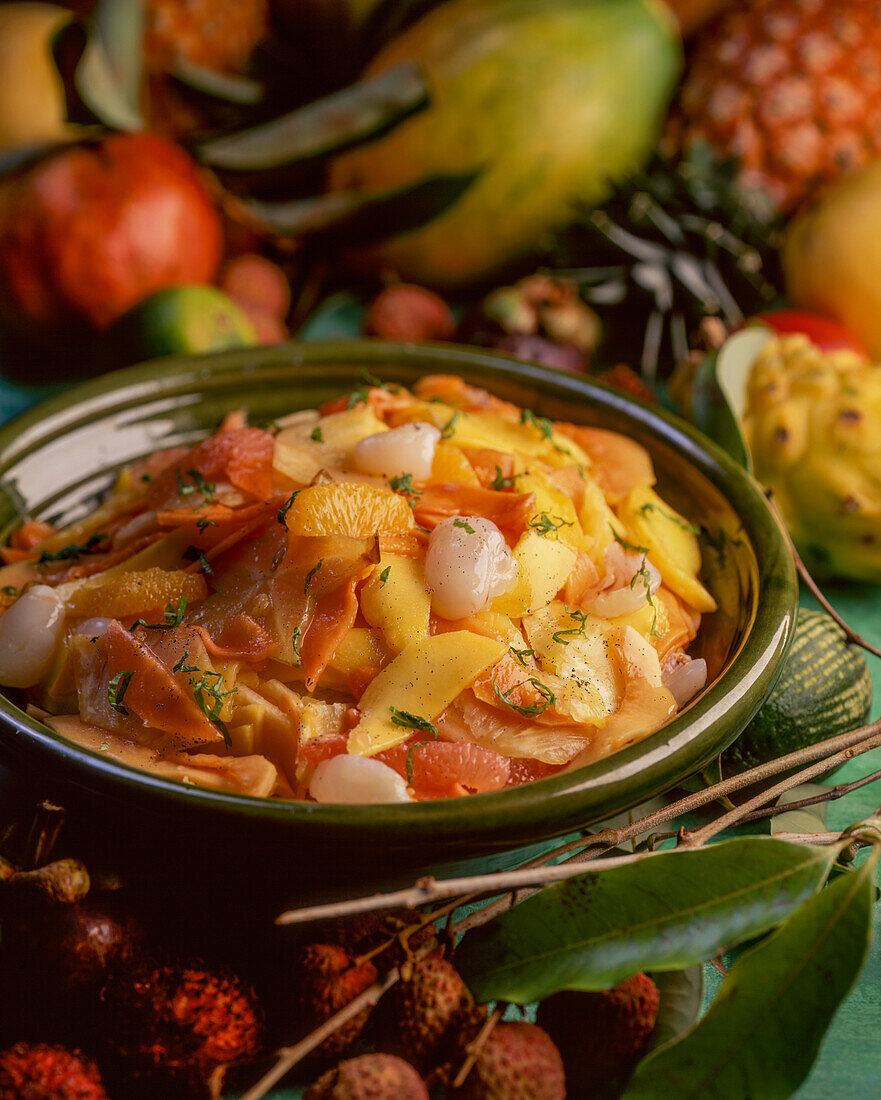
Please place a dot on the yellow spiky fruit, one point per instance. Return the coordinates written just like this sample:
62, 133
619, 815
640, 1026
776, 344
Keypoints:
813, 424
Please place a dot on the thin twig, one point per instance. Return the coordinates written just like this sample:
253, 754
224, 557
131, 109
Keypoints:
429, 890
719, 965
696, 837
816, 591
288, 1057
829, 795
476, 1046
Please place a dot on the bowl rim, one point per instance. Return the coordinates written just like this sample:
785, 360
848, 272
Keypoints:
535, 810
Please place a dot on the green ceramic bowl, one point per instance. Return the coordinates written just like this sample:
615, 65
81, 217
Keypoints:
56, 459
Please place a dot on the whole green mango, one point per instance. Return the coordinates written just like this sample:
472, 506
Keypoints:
547, 101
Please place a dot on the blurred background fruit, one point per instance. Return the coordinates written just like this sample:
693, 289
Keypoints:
534, 107
541, 319
261, 290
215, 34
180, 320
677, 243
32, 103
91, 230
404, 311
792, 88
832, 255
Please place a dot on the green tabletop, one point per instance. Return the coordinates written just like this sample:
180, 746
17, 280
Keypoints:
849, 1066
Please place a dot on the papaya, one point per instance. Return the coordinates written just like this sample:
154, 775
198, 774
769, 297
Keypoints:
545, 103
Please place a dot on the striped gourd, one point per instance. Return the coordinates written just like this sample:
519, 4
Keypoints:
825, 689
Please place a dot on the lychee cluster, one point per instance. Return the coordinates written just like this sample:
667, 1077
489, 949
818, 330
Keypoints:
167, 1025
76, 967
428, 1029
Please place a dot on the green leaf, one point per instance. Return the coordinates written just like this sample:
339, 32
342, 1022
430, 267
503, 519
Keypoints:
358, 217
664, 912
324, 126
229, 87
682, 994
764, 1029
108, 75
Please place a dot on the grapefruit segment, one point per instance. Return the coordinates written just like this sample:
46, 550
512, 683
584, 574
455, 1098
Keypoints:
445, 769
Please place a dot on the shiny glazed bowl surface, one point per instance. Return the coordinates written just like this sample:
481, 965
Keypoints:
56, 460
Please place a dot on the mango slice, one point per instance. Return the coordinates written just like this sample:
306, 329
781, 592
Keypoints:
543, 564
396, 601
310, 445
671, 543
421, 682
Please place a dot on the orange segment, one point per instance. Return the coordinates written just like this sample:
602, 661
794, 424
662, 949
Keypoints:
348, 508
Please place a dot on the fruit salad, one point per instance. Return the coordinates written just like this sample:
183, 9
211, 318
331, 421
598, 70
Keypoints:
396, 597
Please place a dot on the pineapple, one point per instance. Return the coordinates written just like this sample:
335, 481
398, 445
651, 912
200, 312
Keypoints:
790, 87
813, 424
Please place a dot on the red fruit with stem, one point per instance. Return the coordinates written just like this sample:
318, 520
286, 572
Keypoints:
93, 229
324, 979
518, 1061
419, 1013
370, 1077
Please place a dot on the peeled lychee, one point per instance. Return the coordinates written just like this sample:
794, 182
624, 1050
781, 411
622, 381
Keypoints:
370, 1077
601, 1034
419, 1014
325, 979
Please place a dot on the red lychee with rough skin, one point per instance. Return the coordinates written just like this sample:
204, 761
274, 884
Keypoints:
38, 1071
601, 1034
365, 933
518, 1061
182, 1021
325, 979
370, 1077
405, 311
419, 1014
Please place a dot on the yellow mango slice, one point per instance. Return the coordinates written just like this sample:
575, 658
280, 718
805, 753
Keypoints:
597, 520
310, 445
652, 621
646, 703
543, 564
422, 681
361, 647
450, 465
553, 503
534, 436
671, 543
396, 601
